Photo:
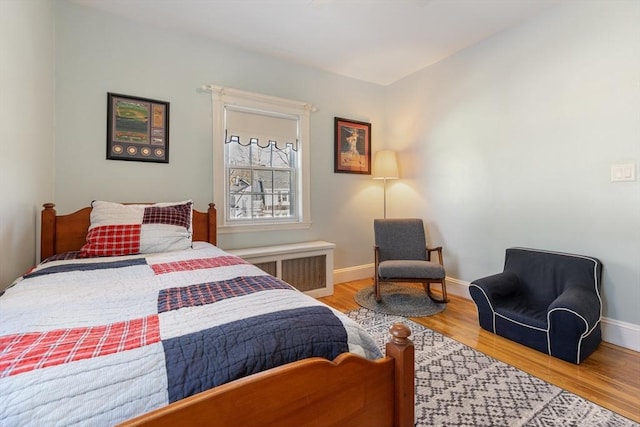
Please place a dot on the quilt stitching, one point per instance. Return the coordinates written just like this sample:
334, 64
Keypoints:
28, 351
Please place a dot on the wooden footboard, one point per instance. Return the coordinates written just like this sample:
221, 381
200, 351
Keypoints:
350, 391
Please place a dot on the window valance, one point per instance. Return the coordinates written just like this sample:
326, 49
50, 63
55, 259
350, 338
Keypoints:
252, 126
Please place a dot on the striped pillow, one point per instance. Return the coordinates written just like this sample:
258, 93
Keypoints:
118, 229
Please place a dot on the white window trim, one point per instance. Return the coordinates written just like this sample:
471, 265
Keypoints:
221, 97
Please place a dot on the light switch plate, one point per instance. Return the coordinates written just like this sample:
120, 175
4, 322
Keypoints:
623, 172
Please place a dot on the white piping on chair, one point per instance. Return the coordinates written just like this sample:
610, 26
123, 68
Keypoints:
493, 312
525, 325
581, 336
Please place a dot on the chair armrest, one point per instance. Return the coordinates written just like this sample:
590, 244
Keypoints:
499, 285
437, 249
488, 292
580, 301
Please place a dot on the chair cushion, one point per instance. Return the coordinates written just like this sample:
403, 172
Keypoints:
411, 269
523, 313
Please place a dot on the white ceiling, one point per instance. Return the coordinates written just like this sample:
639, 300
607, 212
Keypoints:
379, 41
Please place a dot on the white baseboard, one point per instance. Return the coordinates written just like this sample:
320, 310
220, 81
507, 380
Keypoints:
458, 287
616, 332
624, 334
349, 274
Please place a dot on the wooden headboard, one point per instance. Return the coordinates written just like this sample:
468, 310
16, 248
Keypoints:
64, 233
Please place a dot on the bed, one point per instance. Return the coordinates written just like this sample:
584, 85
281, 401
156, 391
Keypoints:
182, 336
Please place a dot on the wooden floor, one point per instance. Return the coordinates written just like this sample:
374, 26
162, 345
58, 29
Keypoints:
609, 377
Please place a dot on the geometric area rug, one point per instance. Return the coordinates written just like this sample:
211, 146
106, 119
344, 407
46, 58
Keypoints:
457, 385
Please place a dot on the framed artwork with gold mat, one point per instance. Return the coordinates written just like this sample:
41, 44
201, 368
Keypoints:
137, 129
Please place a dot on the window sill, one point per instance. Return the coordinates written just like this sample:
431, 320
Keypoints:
251, 228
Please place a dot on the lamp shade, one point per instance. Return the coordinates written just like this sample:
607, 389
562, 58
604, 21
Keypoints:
385, 165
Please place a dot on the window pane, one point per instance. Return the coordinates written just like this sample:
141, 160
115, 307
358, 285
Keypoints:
263, 181
257, 206
258, 191
239, 193
239, 155
260, 156
282, 181
239, 179
282, 189
282, 207
282, 158
263, 184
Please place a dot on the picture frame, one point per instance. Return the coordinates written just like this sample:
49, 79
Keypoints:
352, 151
137, 129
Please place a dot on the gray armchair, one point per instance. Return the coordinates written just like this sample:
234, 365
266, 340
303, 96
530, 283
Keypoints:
401, 255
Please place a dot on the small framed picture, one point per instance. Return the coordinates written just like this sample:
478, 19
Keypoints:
352, 146
137, 129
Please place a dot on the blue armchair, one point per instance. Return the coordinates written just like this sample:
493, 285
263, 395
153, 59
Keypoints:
548, 301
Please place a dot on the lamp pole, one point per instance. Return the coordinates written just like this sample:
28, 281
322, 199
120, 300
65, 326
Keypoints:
385, 166
385, 196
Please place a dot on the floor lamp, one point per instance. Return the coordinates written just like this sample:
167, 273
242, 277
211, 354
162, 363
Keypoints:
385, 166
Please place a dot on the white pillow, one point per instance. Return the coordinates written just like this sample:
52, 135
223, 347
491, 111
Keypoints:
118, 229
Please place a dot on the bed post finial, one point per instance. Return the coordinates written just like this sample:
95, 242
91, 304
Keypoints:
400, 333
400, 347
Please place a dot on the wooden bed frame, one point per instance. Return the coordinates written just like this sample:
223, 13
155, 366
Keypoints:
349, 390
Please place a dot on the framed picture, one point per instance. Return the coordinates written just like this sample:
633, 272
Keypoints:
137, 129
352, 146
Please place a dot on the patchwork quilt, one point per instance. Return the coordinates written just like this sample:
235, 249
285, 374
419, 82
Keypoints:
96, 341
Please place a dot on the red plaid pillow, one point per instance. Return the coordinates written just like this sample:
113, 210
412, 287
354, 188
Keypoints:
112, 240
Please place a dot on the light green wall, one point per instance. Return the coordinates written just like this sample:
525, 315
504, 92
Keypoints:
506, 143
98, 53
510, 142
26, 129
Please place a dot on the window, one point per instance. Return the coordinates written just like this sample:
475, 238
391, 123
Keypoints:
261, 155
261, 161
